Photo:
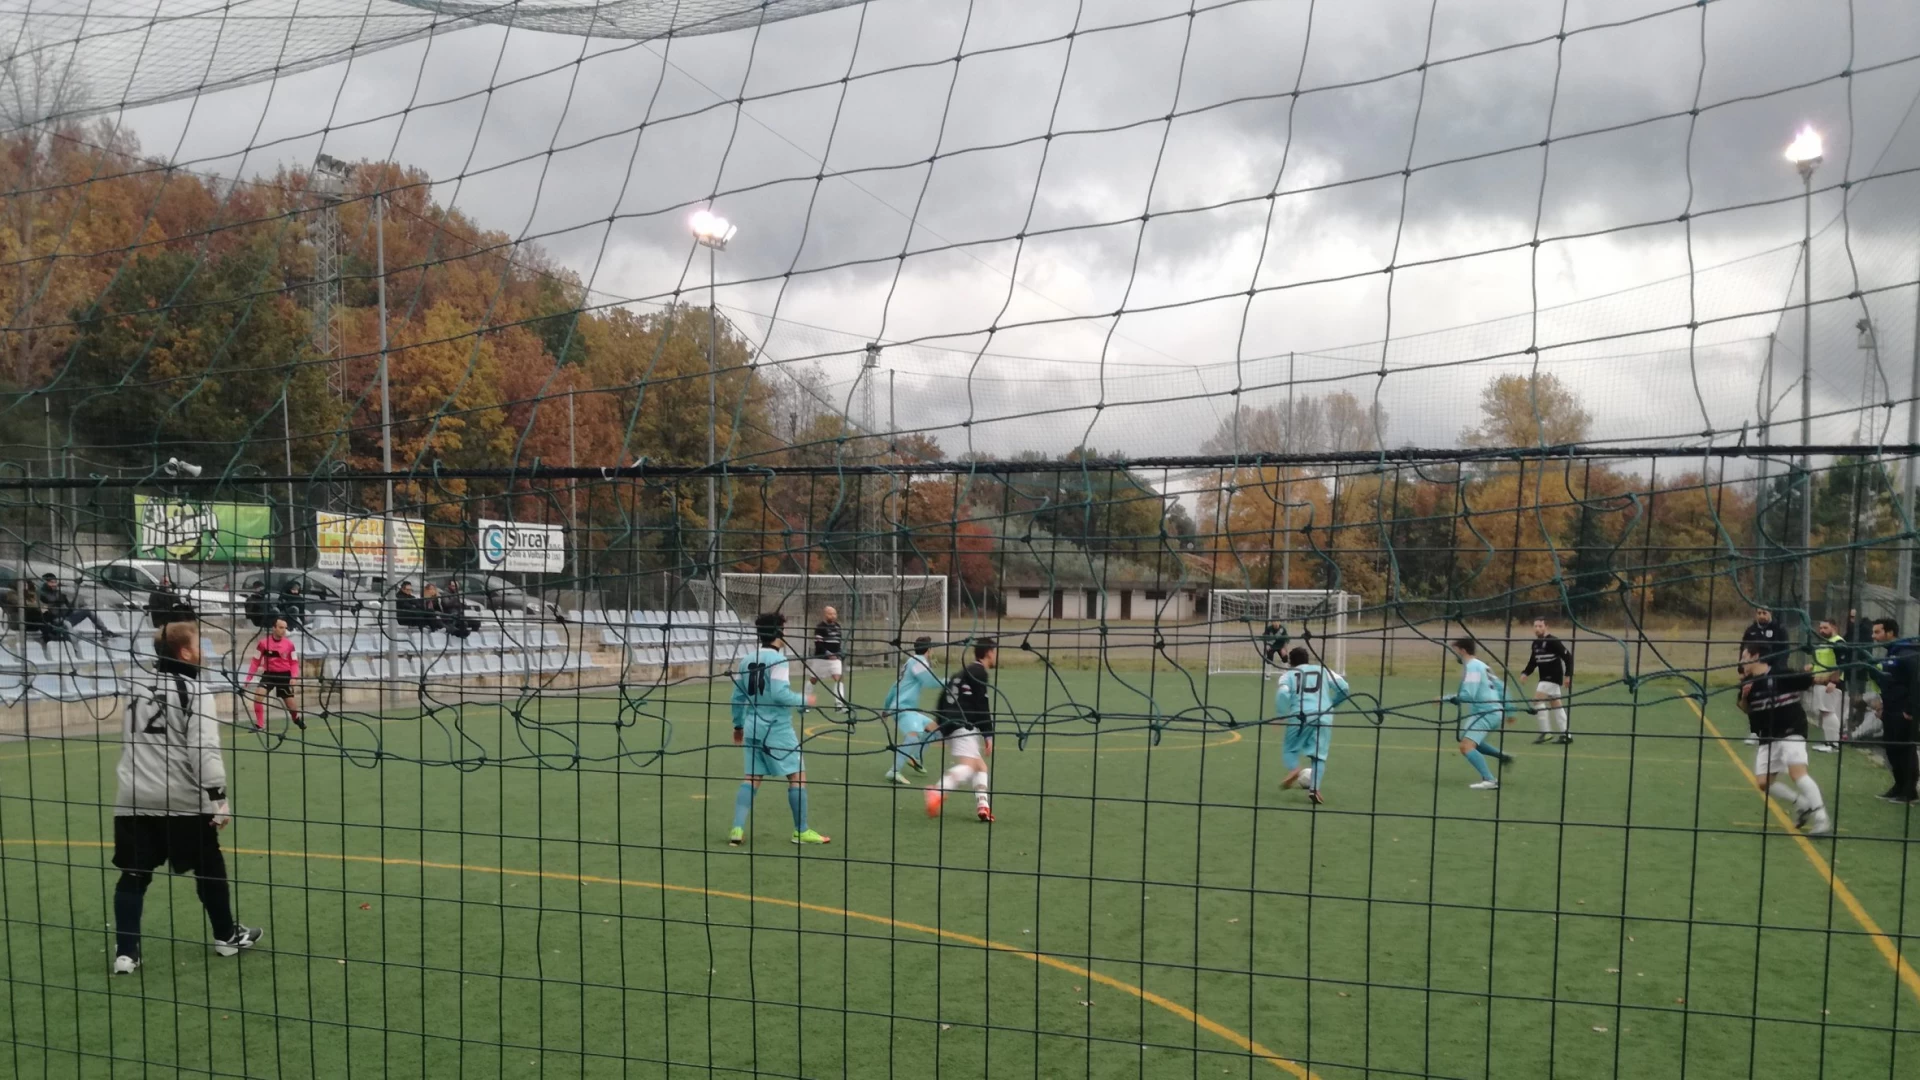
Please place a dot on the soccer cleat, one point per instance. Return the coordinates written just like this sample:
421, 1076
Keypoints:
914, 764
1544, 738
243, 937
1485, 785
1820, 826
934, 799
125, 965
985, 814
811, 837
901, 779
890, 775
1801, 817
299, 723
736, 836
1313, 796
1564, 739
259, 725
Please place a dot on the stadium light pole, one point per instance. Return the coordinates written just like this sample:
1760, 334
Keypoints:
711, 231
1806, 152
386, 426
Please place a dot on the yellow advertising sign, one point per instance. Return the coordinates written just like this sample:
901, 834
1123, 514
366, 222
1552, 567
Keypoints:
354, 543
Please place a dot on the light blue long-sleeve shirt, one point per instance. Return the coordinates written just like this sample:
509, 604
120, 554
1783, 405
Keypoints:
916, 677
763, 696
1309, 693
1481, 691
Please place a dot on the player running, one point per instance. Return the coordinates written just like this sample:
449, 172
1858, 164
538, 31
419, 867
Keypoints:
1779, 723
172, 800
1483, 711
825, 664
763, 704
966, 720
912, 727
275, 655
1305, 698
1555, 664
1273, 645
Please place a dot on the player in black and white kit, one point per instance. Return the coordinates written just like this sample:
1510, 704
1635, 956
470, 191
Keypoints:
1779, 727
966, 720
1554, 663
826, 665
1764, 638
172, 800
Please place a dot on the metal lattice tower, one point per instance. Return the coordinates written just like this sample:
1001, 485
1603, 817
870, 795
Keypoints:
323, 232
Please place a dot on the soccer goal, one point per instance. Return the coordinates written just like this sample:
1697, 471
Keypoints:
1237, 621
874, 608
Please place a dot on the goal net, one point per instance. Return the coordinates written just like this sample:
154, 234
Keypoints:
876, 609
1238, 622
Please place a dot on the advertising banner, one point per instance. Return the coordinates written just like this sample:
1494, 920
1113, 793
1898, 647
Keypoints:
191, 531
523, 548
353, 543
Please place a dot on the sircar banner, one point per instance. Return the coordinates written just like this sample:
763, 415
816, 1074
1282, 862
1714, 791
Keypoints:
356, 544
522, 548
194, 531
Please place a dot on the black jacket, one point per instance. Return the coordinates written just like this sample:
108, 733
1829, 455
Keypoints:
1767, 640
413, 611
166, 606
1898, 677
1551, 659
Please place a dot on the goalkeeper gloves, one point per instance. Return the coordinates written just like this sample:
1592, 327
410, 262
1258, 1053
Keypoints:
222, 811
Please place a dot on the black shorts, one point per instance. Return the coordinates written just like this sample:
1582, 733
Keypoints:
279, 682
187, 842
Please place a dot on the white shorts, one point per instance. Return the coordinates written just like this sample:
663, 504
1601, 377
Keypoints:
1825, 699
1774, 757
823, 667
966, 744
1549, 689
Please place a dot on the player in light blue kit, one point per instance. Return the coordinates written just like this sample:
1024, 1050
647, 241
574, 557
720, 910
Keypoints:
1483, 711
912, 727
763, 704
1305, 698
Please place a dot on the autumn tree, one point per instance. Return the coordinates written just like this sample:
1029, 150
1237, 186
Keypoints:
1528, 410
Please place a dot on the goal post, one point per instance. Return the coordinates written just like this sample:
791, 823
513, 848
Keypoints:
1237, 621
875, 609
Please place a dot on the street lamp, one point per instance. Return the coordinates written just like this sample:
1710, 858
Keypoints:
1805, 152
711, 231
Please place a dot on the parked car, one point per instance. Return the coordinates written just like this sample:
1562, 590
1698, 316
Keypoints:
133, 579
323, 589
496, 594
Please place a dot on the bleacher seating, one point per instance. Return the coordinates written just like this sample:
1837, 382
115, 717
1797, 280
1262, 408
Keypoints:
670, 638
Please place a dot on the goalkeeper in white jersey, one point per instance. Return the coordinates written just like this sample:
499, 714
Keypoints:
172, 798
912, 727
1305, 699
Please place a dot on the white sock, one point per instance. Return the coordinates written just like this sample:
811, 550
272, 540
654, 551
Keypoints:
956, 777
1560, 718
1545, 716
1830, 726
980, 787
1810, 794
1785, 793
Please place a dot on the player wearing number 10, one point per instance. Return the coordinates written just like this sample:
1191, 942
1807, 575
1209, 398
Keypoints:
1305, 699
763, 704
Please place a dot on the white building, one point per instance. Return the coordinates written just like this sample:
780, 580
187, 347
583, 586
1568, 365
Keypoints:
1114, 601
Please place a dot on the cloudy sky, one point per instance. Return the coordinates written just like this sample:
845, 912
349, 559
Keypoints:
1258, 188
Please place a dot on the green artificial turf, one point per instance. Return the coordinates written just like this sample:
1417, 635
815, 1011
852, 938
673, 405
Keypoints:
546, 891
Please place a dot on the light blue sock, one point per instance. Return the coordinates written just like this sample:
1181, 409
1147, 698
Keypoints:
1479, 764
1319, 772
742, 804
797, 802
901, 751
1488, 749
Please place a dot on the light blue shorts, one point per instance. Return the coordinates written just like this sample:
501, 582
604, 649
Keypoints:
1309, 740
911, 722
776, 756
1477, 727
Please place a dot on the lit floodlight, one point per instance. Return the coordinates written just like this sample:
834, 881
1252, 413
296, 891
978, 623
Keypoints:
712, 230
1805, 149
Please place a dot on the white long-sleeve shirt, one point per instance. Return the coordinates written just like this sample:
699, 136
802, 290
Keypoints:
170, 760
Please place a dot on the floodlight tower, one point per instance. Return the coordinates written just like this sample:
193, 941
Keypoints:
711, 231
323, 232
1806, 154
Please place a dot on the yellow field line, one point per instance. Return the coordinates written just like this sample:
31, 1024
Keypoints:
1208, 1024
1888, 949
